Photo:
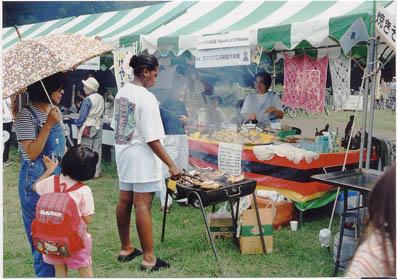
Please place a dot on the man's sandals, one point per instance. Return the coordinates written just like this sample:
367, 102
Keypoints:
160, 264
129, 257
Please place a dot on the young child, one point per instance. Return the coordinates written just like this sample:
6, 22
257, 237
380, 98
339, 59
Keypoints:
78, 164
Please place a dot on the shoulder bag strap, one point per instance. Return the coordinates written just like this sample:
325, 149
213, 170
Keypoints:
76, 186
35, 117
57, 188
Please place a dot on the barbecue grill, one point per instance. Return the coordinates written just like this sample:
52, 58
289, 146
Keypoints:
209, 197
200, 198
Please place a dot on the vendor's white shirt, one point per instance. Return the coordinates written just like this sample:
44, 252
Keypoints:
249, 107
137, 121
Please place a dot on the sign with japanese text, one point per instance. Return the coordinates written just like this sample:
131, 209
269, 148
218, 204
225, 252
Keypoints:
92, 64
234, 39
232, 56
385, 26
122, 70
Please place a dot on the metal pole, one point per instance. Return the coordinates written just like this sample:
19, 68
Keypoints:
370, 66
274, 71
371, 112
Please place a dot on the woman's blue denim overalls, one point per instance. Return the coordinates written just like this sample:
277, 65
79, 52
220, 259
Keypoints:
30, 172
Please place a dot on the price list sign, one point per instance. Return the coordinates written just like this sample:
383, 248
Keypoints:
229, 158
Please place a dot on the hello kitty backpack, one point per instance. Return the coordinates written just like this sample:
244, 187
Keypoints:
58, 229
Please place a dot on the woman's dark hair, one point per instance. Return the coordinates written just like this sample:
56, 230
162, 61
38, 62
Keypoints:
79, 162
143, 61
382, 212
51, 83
266, 77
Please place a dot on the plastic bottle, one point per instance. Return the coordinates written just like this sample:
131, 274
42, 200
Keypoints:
335, 145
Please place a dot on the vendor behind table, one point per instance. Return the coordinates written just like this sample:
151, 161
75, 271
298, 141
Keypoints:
174, 117
263, 106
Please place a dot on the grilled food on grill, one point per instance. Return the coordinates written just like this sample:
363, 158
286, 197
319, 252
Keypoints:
210, 185
208, 179
235, 179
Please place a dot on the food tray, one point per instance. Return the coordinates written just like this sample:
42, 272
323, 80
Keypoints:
357, 179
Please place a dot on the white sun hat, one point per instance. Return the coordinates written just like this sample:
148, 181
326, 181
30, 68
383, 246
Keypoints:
91, 83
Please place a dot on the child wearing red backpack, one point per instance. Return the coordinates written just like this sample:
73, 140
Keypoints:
78, 164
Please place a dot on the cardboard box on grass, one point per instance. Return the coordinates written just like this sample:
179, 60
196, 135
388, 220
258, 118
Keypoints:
250, 242
285, 210
220, 227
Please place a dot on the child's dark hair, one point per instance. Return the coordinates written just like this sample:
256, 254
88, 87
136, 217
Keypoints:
51, 83
79, 162
143, 61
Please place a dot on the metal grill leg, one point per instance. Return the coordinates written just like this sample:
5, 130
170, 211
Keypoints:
207, 226
342, 231
164, 215
259, 222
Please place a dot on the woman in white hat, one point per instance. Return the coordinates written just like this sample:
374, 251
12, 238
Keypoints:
90, 120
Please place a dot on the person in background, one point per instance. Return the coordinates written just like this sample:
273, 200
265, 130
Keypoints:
393, 87
215, 115
263, 106
380, 94
39, 133
78, 164
7, 127
238, 119
174, 117
139, 152
392, 94
376, 255
90, 122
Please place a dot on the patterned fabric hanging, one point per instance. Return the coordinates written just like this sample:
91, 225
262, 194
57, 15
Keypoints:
304, 82
340, 68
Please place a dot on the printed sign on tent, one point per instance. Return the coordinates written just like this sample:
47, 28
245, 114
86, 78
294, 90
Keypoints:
122, 70
92, 64
385, 27
233, 39
233, 56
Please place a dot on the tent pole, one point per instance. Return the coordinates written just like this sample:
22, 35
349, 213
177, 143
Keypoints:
371, 110
370, 66
274, 71
365, 107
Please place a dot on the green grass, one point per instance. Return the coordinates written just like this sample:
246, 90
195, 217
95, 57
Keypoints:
296, 254
383, 119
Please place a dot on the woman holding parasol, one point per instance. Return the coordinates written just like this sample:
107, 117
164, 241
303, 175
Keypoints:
40, 136
39, 65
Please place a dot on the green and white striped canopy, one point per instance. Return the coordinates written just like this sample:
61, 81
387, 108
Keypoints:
272, 24
110, 26
176, 25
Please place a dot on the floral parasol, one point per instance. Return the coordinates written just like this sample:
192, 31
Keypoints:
32, 60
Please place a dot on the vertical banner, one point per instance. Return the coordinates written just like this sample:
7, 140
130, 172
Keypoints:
385, 27
122, 70
229, 158
256, 55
